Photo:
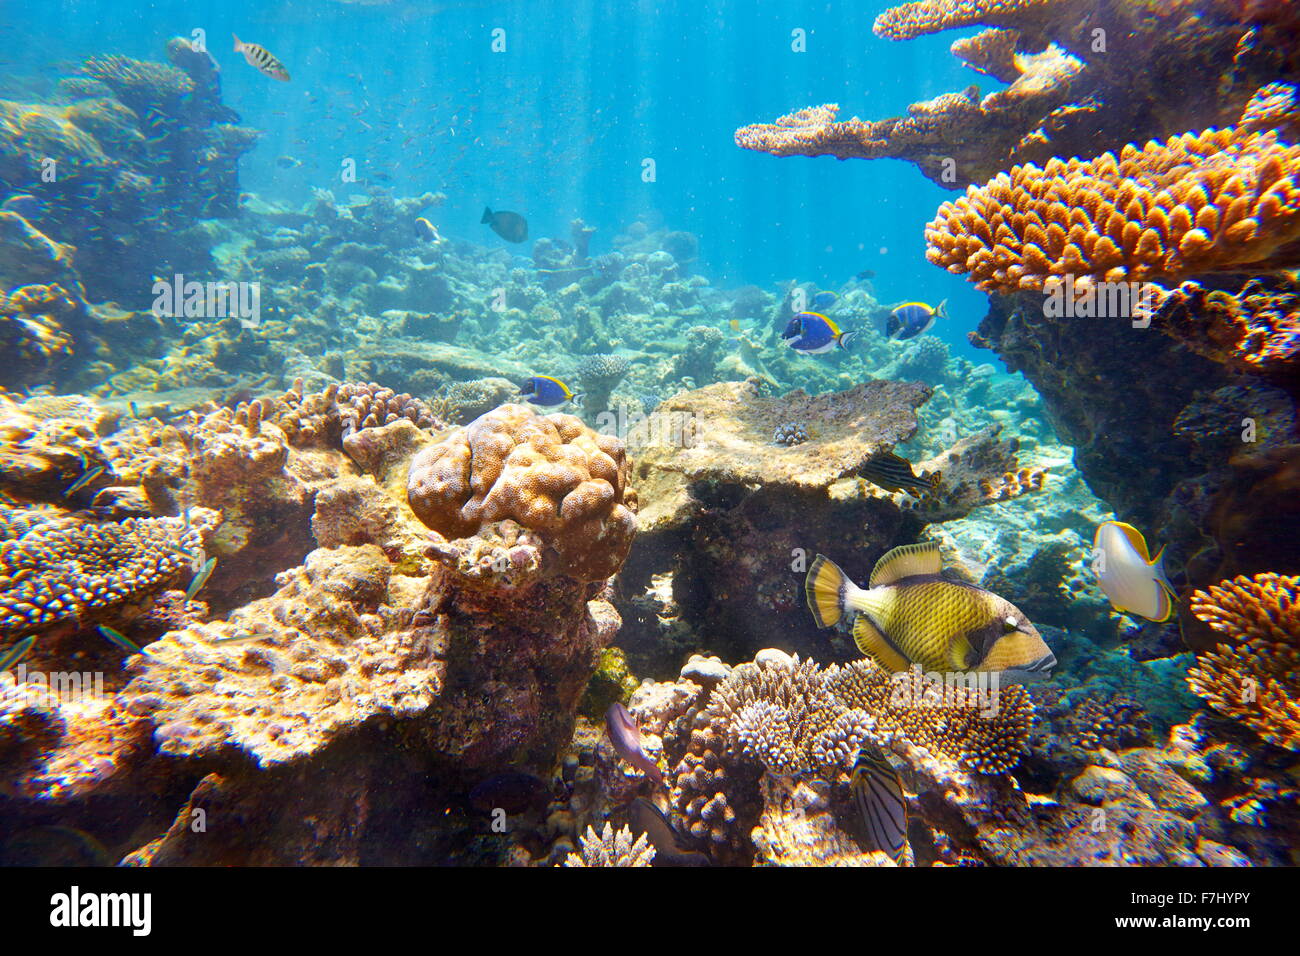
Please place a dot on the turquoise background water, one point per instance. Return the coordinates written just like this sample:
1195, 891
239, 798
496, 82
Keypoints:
559, 124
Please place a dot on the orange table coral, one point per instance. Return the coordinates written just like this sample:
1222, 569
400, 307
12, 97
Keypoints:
1219, 201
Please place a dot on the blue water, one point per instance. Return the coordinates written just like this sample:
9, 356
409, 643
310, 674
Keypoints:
558, 125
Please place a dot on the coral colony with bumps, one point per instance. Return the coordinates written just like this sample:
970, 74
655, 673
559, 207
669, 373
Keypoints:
577, 557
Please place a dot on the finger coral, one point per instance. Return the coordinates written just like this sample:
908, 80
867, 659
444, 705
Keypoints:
609, 848
551, 474
1219, 201
1254, 677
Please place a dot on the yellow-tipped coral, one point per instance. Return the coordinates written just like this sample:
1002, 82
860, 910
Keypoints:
1255, 678
1219, 201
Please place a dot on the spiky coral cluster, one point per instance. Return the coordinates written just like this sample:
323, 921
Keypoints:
1223, 200
76, 571
1255, 329
958, 725
786, 718
612, 849
551, 474
790, 718
1099, 719
1255, 678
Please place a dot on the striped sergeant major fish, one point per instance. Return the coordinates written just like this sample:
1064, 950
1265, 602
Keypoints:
894, 473
262, 59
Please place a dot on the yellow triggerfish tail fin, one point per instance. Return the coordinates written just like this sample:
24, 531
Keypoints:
825, 586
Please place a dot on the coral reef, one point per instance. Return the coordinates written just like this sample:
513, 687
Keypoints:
1164, 212
608, 848
1253, 677
1083, 79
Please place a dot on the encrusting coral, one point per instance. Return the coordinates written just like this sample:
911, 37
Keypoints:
1254, 329
551, 474
1254, 677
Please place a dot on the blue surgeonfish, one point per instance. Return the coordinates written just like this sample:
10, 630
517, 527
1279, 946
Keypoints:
545, 390
824, 301
912, 319
1134, 582
813, 333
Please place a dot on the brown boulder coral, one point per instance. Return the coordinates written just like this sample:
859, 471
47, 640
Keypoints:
551, 474
1253, 677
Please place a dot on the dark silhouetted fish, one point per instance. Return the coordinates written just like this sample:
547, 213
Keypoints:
512, 791
510, 226
644, 817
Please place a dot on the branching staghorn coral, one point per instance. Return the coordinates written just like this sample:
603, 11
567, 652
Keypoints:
1221, 201
786, 717
612, 849
1255, 678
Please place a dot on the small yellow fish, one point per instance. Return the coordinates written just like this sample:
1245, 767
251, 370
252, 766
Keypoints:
262, 59
427, 231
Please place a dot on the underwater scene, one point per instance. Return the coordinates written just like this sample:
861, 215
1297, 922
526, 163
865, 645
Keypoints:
672, 433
